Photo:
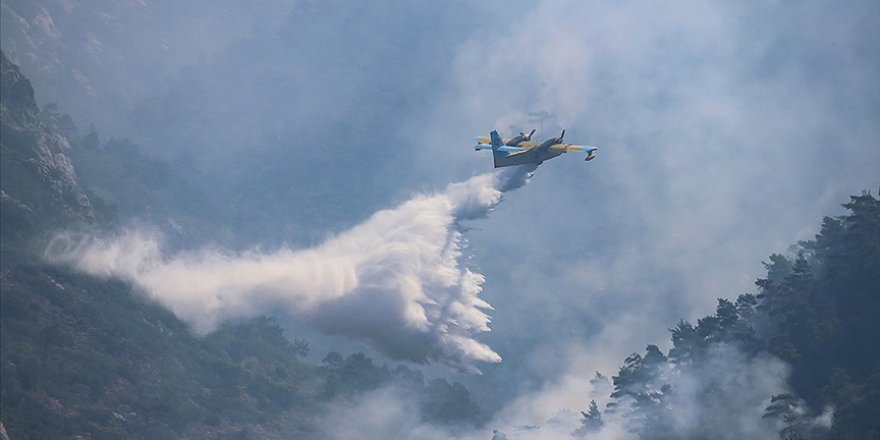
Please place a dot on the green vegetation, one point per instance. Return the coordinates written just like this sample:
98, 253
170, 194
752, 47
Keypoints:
438, 400
817, 312
88, 357
82, 357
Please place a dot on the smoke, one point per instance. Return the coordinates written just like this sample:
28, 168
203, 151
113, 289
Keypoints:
716, 121
379, 414
396, 280
723, 395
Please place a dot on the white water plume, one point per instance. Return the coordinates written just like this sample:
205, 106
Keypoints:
396, 280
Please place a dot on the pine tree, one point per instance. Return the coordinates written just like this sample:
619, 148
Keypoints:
591, 421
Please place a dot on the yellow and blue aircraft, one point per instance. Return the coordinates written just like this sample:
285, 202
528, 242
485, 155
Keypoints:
520, 150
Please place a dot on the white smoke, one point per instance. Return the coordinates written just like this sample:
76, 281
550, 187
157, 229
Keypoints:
384, 413
396, 280
723, 396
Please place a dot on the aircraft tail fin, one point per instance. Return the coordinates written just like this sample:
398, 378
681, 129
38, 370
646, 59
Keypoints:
497, 142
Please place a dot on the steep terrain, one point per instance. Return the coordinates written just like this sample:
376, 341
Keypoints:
88, 358
38, 185
83, 357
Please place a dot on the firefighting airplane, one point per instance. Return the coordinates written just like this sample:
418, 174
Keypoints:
520, 150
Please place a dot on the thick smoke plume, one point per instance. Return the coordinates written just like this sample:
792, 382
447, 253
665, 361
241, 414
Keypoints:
396, 280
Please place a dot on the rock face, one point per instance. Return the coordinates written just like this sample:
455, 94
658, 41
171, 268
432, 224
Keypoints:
37, 179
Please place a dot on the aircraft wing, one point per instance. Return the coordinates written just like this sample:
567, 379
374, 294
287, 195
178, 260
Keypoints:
570, 148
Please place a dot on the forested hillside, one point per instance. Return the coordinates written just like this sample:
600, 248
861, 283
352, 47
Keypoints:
82, 357
88, 358
38, 185
816, 311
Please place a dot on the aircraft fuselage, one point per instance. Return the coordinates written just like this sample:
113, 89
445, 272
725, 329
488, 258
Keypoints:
531, 156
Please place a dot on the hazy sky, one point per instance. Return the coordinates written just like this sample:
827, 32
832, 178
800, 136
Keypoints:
726, 131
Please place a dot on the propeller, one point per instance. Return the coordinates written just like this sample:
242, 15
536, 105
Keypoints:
526, 136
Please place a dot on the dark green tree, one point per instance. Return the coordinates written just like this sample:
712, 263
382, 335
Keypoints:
591, 421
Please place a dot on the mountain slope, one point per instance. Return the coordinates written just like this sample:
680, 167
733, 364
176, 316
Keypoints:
82, 357
87, 357
38, 185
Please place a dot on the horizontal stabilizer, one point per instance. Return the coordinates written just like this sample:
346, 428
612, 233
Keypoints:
503, 148
509, 149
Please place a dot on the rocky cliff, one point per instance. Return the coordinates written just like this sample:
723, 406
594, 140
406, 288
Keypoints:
38, 184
